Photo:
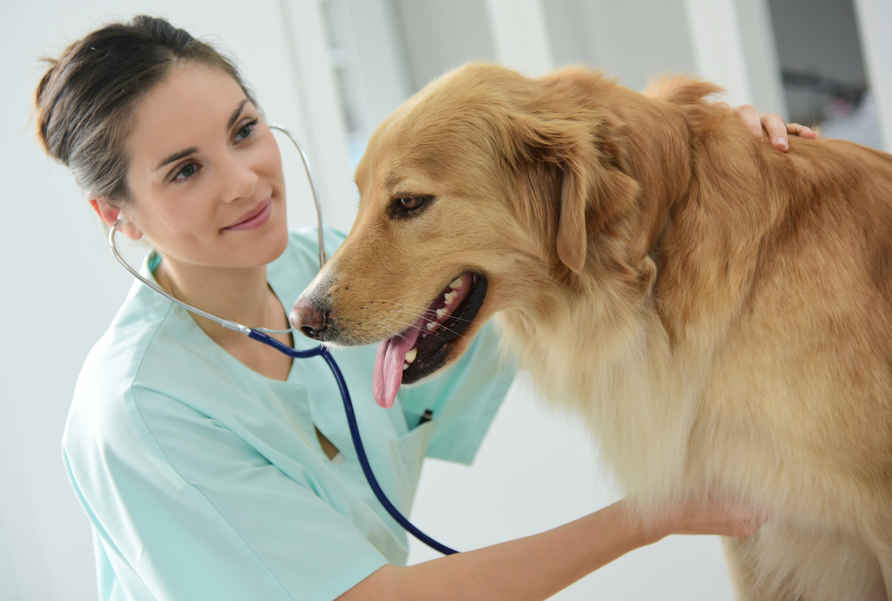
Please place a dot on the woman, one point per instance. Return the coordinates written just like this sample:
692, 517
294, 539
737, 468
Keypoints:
213, 467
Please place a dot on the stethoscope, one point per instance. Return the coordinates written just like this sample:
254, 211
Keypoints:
263, 335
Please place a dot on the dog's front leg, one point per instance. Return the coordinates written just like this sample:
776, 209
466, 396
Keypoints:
742, 566
742, 556
886, 565
882, 546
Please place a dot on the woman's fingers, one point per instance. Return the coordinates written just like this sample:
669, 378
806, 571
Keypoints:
776, 129
801, 130
773, 126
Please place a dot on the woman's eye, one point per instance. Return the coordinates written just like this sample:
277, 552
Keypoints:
409, 206
245, 131
186, 171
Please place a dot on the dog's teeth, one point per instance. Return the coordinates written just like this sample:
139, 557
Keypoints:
431, 325
441, 313
449, 296
456, 283
410, 357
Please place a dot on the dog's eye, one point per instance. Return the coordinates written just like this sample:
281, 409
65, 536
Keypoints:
410, 202
407, 206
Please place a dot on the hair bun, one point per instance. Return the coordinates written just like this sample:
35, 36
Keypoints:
44, 102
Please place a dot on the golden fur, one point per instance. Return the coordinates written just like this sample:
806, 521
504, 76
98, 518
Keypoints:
717, 311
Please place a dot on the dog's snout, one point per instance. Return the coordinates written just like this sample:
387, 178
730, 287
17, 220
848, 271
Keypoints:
309, 318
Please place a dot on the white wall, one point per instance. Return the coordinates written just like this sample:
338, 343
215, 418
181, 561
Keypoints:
442, 35
370, 65
612, 36
875, 20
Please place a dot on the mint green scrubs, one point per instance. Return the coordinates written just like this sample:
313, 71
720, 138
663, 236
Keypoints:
203, 479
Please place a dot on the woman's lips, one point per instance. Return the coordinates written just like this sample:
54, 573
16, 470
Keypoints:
254, 219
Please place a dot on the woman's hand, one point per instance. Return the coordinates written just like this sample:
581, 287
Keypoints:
703, 516
772, 126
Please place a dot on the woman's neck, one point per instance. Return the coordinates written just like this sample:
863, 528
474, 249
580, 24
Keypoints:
236, 294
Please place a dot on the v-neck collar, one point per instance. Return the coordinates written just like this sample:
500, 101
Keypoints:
286, 291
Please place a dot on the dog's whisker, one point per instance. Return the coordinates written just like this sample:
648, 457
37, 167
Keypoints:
443, 326
423, 330
423, 311
393, 324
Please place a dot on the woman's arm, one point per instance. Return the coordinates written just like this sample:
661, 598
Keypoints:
536, 567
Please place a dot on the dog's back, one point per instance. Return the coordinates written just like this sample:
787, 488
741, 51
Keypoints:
777, 268
774, 284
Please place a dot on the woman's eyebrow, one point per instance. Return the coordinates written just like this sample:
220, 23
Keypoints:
176, 156
235, 114
182, 153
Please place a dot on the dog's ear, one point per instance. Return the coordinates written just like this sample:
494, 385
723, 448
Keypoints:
557, 121
588, 184
572, 234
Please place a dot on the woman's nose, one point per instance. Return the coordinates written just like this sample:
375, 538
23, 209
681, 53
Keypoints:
242, 178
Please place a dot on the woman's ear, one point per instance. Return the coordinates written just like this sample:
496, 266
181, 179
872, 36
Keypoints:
110, 214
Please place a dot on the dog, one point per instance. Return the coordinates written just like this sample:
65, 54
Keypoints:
717, 312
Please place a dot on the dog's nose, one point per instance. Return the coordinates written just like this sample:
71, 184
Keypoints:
309, 318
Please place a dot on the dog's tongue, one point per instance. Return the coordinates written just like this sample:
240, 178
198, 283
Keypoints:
389, 364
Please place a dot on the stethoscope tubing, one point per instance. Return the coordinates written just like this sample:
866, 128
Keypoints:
358, 446
263, 335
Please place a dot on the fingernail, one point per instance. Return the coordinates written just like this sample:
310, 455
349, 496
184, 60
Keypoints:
780, 143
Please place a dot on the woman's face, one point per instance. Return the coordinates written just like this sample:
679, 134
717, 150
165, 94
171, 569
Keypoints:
205, 174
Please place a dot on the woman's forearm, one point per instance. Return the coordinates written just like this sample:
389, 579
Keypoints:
526, 569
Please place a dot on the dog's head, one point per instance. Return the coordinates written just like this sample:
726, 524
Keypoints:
476, 195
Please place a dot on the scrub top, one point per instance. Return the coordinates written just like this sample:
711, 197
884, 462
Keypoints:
203, 479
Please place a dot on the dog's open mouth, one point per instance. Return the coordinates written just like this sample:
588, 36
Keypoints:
423, 347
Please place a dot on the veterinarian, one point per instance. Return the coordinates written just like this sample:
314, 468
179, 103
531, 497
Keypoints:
213, 467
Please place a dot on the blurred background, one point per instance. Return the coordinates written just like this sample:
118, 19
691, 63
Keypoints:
330, 70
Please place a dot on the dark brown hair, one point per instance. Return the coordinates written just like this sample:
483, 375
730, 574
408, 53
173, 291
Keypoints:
85, 98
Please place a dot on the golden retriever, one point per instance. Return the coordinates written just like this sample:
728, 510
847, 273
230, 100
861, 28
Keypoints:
717, 312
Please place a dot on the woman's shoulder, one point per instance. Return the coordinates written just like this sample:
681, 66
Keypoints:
303, 247
146, 347
116, 357
306, 239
